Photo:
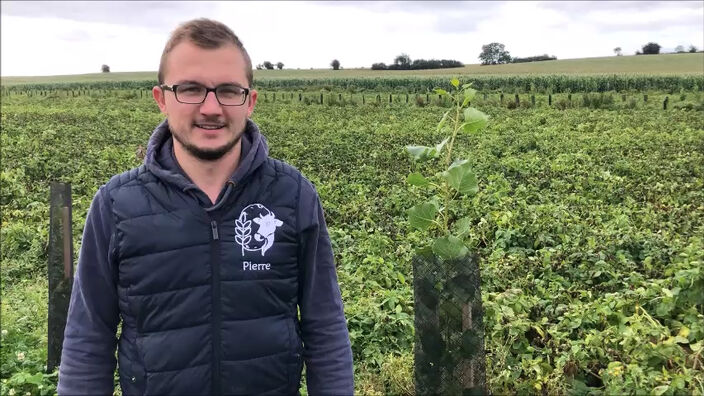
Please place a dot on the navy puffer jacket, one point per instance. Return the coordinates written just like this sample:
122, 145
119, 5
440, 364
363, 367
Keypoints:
209, 295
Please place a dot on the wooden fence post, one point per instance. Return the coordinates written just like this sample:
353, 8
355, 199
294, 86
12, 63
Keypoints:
60, 269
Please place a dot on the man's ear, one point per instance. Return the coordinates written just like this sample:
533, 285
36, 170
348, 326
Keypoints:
159, 98
252, 101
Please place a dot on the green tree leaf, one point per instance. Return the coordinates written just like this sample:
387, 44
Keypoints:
401, 278
440, 146
422, 216
463, 226
436, 200
449, 248
421, 153
474, 120
443, 120
468, 96
416, 179
460, 177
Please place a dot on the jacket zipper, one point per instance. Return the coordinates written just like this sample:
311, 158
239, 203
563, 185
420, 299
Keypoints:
216, 299
215, 254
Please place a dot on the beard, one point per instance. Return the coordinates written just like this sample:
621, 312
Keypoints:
209, 154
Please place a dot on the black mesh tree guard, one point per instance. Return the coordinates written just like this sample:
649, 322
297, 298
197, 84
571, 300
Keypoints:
449, 328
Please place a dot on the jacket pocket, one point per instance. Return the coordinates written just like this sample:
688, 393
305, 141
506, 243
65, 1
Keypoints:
132, 376
131, 383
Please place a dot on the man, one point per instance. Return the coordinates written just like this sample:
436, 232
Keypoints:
209, 252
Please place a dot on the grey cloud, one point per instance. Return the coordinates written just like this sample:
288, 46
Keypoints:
693, 21
390, 6
465, 17
430, 8
448, 16
577, 8
79, 35
149, 14
73, 35
584, 12
456, 24
436, 7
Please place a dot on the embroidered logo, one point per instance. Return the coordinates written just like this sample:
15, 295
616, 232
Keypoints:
263, 238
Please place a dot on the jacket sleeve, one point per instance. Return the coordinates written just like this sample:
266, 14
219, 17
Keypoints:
88, 355
327, 351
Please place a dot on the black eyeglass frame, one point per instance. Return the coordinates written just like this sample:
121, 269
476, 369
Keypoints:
208, 90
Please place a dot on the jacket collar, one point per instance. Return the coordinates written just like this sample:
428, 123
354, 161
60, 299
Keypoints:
161, 162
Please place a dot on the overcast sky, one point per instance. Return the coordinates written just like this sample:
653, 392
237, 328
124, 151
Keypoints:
47, 38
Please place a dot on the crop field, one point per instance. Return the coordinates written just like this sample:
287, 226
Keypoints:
588, 225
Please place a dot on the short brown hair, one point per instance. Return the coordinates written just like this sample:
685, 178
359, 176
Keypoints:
207, 34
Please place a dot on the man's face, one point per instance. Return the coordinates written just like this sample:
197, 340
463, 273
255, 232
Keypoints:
191, 124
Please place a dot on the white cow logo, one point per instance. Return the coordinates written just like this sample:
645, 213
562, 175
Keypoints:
267, 227
264, 236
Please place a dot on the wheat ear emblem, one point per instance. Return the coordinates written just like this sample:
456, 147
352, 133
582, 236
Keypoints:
243, 229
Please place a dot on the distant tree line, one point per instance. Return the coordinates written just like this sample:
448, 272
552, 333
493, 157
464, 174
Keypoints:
403, 62
533, 58
496, 54
492, 54
654, 48
270, 66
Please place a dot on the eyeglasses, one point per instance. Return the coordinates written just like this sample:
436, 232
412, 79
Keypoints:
226, 94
